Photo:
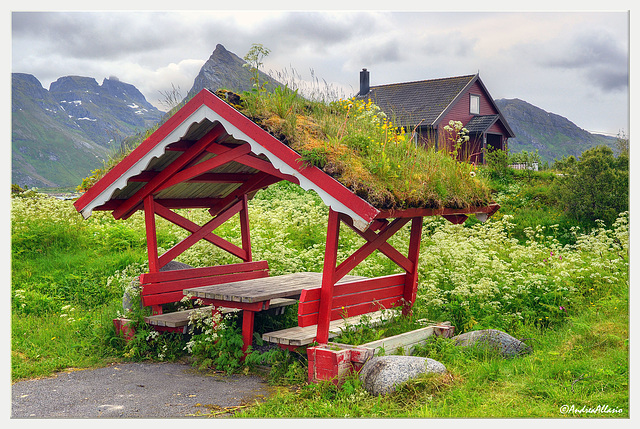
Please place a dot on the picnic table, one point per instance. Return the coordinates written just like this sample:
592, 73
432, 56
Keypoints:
255, 295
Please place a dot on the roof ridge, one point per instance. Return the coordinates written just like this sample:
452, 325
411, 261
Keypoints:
424, 80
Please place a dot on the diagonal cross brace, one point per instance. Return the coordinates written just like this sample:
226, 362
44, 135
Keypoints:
204, 166
199, 234
374, 241
387, 249
192, 227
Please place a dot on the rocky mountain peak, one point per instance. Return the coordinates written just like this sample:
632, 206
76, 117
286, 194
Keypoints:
224, 69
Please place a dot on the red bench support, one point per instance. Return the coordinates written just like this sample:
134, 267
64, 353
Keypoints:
360, 297
166, 286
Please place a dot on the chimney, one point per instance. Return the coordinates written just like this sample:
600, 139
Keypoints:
364, 82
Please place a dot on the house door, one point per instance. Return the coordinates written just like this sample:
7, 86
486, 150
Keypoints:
494, 142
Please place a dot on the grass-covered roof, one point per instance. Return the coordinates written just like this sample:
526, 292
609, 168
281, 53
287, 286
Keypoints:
353, 141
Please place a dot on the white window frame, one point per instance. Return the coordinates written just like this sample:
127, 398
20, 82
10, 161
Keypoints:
474, 104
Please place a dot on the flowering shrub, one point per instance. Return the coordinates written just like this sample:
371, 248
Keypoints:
476, 276
481, 276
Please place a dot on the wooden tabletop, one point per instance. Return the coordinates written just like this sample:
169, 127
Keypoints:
263, 289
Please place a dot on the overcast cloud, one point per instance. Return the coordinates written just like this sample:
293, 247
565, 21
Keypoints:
574, 64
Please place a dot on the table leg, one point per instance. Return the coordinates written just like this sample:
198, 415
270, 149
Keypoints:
247, 329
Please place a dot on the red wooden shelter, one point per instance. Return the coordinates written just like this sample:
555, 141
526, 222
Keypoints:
209, 155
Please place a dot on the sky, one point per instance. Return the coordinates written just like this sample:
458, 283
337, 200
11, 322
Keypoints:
569, 62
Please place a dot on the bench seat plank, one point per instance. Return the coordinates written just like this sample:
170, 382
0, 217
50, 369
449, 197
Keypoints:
298, 336
179, 319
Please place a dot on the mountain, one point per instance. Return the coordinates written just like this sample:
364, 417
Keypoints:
552, 135
225, 70
61, 134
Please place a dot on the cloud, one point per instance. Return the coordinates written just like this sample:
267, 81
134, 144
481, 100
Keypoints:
569, 61
601, 58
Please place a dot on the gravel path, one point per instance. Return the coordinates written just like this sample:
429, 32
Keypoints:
130, 390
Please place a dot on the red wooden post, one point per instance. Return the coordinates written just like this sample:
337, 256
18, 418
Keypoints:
244, 228
411, 280
328, 277
152, 242
247, 329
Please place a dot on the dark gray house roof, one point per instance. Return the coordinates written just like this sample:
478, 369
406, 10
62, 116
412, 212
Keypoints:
420, 102
426, 102
480, 123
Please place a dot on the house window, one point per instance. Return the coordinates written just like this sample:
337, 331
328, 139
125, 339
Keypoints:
474, 104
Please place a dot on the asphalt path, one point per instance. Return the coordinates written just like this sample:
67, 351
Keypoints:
136, 390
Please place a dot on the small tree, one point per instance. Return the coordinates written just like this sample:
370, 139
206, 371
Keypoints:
598, 187
253, 60
498, 164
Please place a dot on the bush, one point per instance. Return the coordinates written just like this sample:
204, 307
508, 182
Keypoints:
598, 186
498, 165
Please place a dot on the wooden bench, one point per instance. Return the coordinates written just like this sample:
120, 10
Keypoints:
351, 301
166, 287
178, 321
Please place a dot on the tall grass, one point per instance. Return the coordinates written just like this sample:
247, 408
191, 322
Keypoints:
354, 141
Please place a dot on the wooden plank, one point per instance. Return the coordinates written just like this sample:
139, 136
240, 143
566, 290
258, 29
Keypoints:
162, 298
308, 308
351, 287
353, 297
489, 209
405, 341
181, 318
298, 336
191, 273
181, 285
281, 302
264, 289
354, 310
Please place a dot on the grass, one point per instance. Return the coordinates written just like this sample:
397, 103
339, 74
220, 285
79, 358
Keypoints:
353, 141
582, 364
68, 276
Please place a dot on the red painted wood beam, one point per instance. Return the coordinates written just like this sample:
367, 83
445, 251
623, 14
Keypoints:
411, 279
422, 212
204, 166
198, 235
244, 228
328, 277
359, 255
168, 172
150, 227
192, 227
146, 176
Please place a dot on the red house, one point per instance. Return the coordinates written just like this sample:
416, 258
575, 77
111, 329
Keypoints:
427, 106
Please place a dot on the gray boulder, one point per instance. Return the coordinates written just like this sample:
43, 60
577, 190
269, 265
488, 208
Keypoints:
492, 340
382, 374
